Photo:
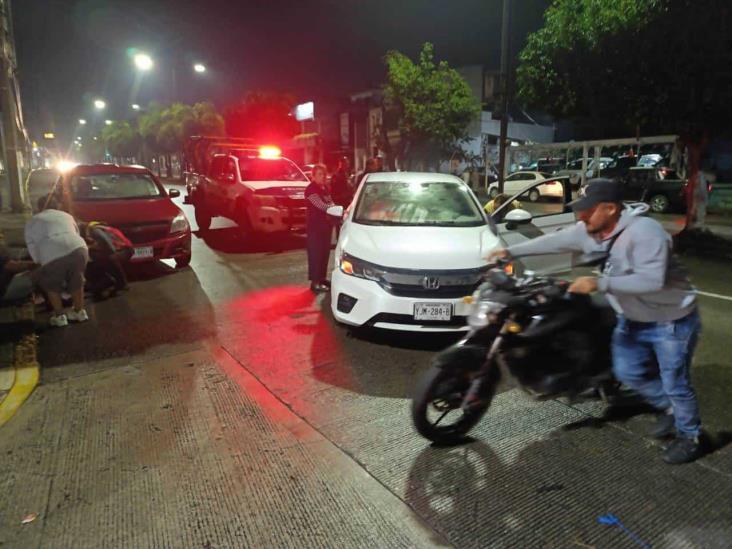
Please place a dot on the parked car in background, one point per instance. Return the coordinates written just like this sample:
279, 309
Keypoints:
619, 167
660, 188
649, 160
574, 169
131, 199
39, 184
518, 181
550, 165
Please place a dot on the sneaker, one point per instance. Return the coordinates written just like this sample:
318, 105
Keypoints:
77, 316
319, 288
664, 426
682, 450
58, 321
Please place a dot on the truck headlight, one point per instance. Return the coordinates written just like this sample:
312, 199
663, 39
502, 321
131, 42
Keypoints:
179, 224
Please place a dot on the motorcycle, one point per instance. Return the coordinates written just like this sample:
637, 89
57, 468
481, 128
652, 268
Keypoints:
552, 342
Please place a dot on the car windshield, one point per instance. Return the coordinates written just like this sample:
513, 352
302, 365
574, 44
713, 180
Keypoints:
446, 204
113, 186
268, 169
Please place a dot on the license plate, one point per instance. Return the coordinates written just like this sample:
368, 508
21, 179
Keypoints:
143, 253
433, 311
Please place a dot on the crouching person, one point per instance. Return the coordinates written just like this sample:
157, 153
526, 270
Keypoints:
54, 242
109, 251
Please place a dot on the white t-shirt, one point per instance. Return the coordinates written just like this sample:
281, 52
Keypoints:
52, 234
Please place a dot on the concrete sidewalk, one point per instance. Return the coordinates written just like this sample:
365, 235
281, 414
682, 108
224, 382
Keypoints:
186, 451
19, 370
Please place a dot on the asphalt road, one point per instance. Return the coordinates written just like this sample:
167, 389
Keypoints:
284, 429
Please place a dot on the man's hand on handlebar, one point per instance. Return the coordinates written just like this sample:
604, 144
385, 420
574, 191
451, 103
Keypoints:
583, 285
497, 254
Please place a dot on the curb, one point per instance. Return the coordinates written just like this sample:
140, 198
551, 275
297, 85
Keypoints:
26, 373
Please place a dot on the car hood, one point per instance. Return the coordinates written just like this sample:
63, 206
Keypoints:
419, 247
125, 212
259, 185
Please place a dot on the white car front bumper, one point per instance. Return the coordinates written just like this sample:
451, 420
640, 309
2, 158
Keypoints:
376, 307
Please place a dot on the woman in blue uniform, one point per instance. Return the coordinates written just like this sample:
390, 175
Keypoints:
320, 229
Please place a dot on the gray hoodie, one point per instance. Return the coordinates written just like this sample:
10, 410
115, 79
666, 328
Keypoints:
642, 278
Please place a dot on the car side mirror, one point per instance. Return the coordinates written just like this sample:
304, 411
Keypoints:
335, 211
173, 193
517, 217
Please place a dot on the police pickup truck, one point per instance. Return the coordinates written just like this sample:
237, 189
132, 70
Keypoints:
255, 187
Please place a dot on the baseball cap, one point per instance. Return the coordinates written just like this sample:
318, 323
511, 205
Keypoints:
598, 190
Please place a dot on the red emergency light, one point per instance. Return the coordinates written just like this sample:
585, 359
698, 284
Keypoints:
269, 151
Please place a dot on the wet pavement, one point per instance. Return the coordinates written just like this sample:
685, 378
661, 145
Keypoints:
221, 406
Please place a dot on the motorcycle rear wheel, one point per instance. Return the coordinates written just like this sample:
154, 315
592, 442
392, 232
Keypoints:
439, 394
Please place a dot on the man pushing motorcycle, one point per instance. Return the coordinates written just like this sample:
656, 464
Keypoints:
654, 301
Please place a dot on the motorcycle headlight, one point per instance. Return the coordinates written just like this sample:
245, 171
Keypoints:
362, 269
179, 224
479, 317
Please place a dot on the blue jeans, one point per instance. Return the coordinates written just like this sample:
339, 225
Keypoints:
634, 346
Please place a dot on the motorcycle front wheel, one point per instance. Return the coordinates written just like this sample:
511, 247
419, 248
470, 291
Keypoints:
436, 411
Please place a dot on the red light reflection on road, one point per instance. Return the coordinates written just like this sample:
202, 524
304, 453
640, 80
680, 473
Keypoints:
283, 337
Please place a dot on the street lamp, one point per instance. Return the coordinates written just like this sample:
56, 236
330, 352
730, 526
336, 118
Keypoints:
82, 121
135, 107
108, 122
199, 68
143, 61
100, 104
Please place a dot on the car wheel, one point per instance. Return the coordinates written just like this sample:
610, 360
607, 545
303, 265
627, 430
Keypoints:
534, 195
183, 262
493, 192
659, 203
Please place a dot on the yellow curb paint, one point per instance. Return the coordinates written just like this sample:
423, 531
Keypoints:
27, 373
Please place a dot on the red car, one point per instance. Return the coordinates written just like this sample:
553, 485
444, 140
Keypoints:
133, 200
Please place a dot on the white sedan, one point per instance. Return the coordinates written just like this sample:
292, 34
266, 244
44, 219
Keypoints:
518, 181
411, 247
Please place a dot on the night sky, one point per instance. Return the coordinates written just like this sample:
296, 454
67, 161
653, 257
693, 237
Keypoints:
71, 51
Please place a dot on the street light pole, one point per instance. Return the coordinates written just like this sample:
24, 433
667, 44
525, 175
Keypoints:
506, 89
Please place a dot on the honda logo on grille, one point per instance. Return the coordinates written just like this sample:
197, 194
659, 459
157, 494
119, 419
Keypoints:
430, 283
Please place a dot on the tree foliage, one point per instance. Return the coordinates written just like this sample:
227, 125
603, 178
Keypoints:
661, 65
165, 129
433, 102
264, 117
122, 139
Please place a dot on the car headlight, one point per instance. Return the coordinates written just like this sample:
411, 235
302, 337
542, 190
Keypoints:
362, 269
479, 316
179, 224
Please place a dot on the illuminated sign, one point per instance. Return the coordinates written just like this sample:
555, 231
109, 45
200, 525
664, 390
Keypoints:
49, 135
305, 111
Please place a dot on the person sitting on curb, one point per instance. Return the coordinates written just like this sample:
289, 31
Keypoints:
54, 242
15, 278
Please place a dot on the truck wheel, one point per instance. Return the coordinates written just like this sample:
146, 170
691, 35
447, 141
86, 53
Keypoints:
242, 219
659, 203
203, 217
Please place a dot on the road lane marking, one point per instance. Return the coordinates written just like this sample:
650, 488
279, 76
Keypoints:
718, 296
